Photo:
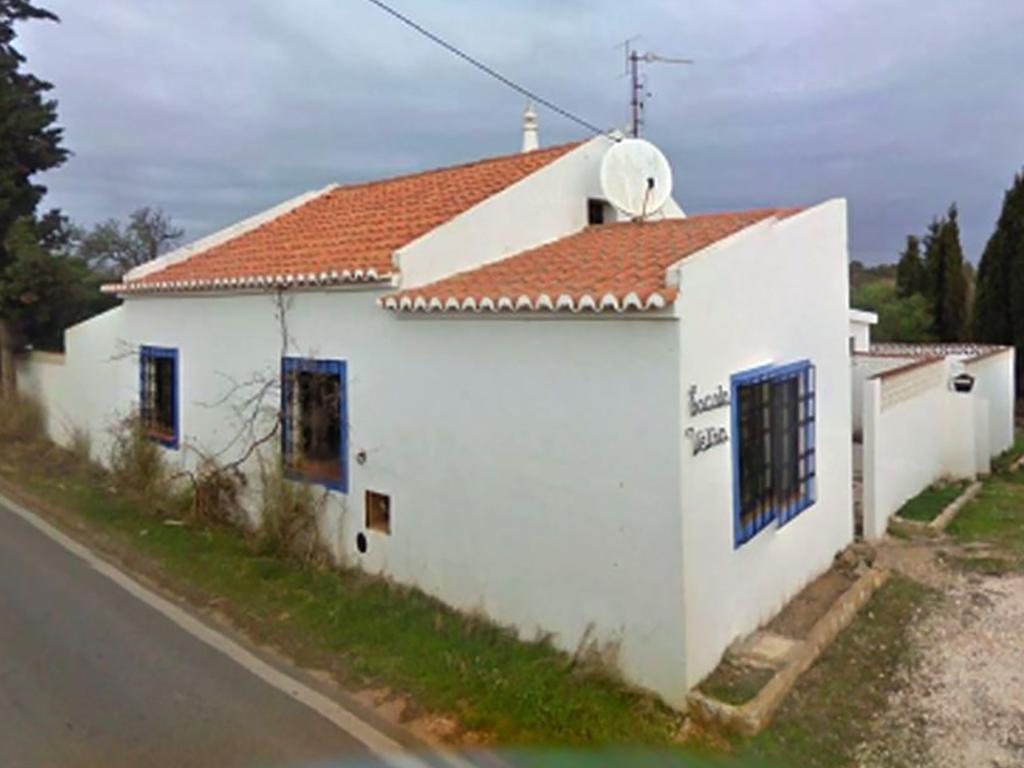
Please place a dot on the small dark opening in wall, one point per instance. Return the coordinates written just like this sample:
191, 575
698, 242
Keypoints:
378, 512
361, 543
595, 211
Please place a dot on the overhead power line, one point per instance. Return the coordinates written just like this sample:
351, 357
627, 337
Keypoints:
484, 68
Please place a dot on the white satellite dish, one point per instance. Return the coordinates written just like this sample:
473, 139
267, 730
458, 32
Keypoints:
636, 178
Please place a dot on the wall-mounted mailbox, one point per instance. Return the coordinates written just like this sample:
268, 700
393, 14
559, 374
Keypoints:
963, 382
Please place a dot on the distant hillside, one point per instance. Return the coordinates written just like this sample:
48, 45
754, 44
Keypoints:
861, 275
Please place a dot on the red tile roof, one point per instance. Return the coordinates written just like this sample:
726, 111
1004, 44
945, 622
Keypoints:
345, 233
617, 266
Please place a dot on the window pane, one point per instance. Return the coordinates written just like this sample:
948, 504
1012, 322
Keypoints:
313, 421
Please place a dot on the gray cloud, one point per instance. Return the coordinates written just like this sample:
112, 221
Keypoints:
216, 110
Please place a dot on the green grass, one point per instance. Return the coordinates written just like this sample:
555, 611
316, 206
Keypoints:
928, 504
1002, 462
994, 517
365, 630
735, 683
829, 711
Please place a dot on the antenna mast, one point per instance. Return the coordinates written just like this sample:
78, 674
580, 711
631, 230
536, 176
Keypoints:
638, 83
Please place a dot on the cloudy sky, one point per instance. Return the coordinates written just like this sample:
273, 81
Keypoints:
215, 110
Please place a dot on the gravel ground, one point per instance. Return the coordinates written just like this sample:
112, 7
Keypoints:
962, 706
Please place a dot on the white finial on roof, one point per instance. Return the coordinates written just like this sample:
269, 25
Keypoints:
531, 140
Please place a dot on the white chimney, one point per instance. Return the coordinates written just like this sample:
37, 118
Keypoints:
531, 140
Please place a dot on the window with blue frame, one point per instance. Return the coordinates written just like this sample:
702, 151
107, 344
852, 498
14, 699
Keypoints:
773, 446
314, 415
158, 394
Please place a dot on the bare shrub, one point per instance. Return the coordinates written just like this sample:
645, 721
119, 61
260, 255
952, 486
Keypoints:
289, 512
80, 444
136, 461
215, 492
22, 419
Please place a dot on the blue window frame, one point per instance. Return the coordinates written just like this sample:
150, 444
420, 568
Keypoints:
158, 394
773, 445
314, 421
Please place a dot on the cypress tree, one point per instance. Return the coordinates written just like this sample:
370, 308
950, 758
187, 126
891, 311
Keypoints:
945, 283
910, 277
999, 302
954, 298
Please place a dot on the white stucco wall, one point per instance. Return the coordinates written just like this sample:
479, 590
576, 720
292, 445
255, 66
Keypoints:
545, 206
994, 383
860, 329
773, 294
917, 430
532, 464
863, 367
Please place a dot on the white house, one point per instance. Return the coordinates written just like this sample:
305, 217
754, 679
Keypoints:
633, 434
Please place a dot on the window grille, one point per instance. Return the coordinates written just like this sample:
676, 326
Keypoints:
773, 446
158, 394
314, 416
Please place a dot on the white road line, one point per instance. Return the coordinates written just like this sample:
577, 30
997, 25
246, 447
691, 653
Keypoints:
388, 750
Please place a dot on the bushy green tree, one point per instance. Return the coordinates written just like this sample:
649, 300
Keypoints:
40, 287
30, 142
904, 319
43, 291
999, 298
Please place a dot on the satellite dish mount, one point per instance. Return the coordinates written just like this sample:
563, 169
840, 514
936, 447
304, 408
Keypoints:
636, 178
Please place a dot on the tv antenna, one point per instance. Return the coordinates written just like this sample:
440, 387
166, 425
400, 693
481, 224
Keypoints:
638, 86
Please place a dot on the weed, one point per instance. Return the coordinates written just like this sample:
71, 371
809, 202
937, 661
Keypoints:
136, 460
289, 512
22, 419
1003, 462
995, 516
215, 492
362, 628
833, 706
80, 444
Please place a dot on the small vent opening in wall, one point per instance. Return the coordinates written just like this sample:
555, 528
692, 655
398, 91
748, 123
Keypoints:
598, 212
378, 512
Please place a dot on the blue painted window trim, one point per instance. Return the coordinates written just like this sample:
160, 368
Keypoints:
338, 368
807, 393
162, 353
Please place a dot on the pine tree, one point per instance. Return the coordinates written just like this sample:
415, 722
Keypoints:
910, 276
945, 282
999, 301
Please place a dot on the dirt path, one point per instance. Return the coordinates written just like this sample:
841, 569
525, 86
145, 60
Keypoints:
962, 706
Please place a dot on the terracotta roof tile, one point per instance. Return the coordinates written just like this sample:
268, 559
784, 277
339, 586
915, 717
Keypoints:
614, 266
348, 232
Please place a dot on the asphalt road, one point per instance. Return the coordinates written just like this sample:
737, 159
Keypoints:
92, 676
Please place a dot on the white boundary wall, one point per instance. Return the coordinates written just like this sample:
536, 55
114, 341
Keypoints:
862, 368
994, 384
918, 430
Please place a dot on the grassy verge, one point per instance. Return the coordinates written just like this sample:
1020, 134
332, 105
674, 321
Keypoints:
928, 504
831, 709
994, 521
1003, 461
363, 630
